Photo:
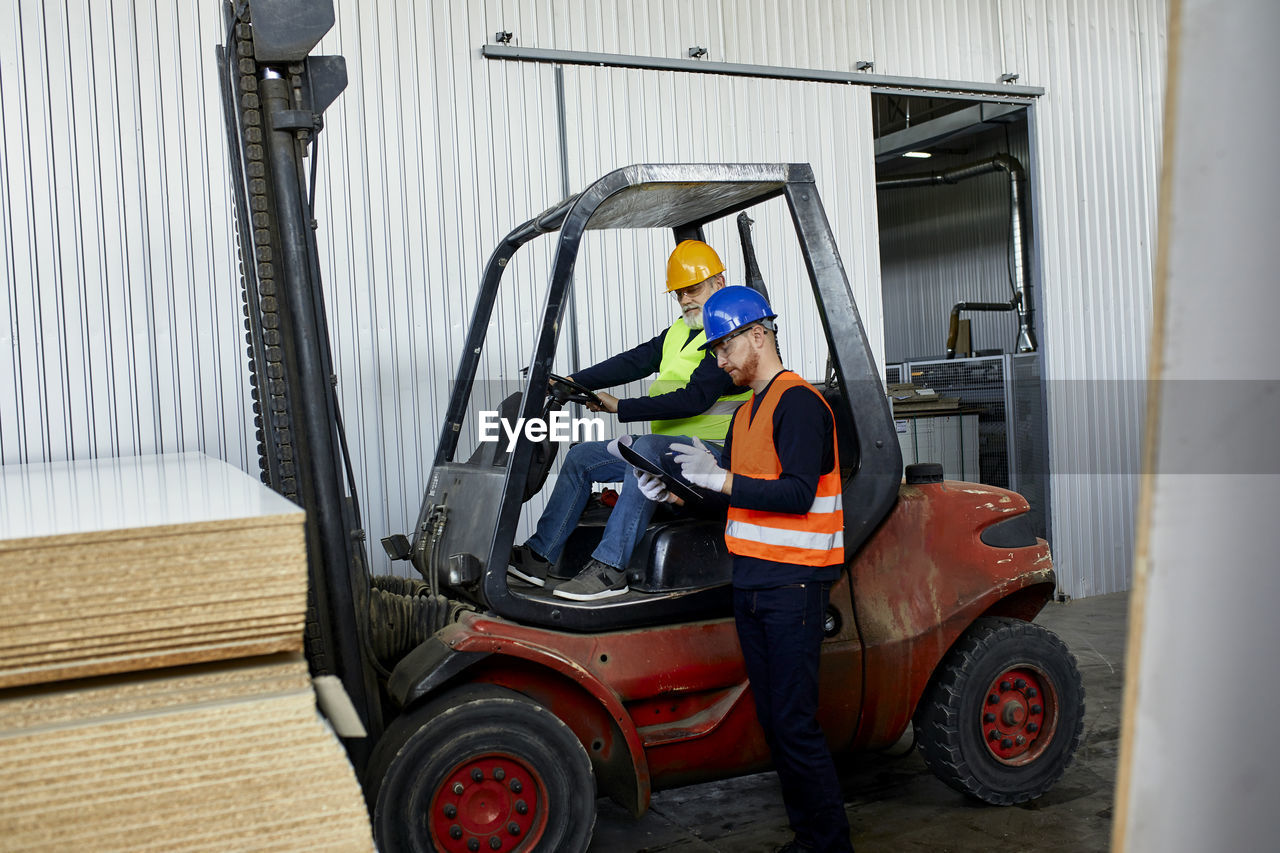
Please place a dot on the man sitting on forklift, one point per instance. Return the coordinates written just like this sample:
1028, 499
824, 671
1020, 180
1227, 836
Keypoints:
691, 397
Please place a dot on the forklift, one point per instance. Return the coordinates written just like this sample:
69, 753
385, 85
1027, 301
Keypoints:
493, 714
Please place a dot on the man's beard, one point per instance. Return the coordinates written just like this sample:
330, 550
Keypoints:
694, 319
747, 371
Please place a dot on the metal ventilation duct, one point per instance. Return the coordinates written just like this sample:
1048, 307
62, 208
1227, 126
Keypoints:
1021, 301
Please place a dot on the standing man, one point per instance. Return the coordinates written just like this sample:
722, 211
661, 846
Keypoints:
691, 397
786, 533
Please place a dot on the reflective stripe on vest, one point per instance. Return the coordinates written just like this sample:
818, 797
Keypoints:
680, 357
813, 538
787, 538
834, 503
726, 406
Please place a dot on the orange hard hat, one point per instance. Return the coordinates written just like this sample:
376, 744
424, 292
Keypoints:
692, 262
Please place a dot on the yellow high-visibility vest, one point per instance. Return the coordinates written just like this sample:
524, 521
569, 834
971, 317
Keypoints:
681, 355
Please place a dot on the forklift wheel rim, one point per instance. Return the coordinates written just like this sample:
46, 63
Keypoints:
1019, 714
488, 798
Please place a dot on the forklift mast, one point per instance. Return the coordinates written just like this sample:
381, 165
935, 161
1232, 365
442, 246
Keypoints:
274, 97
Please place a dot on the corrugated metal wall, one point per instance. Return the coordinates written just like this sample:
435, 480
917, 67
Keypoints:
1097, 139
826, 125
429, 158
121, 319
928, 38
114, 230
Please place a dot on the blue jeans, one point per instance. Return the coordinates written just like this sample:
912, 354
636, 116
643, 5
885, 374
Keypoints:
591, 462
780, 631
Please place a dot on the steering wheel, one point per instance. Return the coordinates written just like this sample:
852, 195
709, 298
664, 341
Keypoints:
572, 392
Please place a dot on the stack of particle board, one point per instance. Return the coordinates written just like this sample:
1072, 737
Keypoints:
227, 756
117, 565
152, 690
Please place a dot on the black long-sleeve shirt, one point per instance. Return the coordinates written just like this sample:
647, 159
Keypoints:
707, 384
804, 439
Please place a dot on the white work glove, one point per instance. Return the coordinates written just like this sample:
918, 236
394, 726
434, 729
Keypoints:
698, 465
652, 488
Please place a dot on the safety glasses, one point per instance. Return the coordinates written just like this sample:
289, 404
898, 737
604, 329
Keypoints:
722, 346
693, 291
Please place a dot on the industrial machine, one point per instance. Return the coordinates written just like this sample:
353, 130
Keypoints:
495, 714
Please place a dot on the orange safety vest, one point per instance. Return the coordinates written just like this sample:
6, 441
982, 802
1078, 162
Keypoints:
814, 538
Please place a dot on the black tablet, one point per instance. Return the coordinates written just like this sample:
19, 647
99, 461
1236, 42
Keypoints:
677, 487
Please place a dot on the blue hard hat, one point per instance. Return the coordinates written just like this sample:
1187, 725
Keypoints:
730, 309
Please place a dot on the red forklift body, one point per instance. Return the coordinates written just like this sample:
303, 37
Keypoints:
670, 705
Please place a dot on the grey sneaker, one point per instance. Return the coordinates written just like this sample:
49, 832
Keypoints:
598, 580
526, 565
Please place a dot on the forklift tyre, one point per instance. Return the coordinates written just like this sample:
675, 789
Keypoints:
1004, 714
480, 768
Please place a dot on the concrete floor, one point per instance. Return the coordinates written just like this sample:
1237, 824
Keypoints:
896, 804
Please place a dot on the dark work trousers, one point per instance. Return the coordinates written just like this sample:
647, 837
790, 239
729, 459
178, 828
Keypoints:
780, 630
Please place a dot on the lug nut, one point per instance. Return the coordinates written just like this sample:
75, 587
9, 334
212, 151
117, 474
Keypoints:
1031, 694
455, 832
993, 699
993, 734
499, 773
477, 775
1020, 740
988, 717
1005, 743
522, 807
495, 843
1032, 728
516, 787
1036, 709
473, 844
1020, 683
451, 811
513, 828
457, 788
1005, 687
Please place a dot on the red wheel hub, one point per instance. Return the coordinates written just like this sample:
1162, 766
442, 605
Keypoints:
1019, 715
490, 802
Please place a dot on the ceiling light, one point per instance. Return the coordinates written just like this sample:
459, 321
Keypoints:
922, 155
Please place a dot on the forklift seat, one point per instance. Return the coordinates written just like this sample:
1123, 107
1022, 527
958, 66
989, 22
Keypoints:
679, 554
495, 453
846, 434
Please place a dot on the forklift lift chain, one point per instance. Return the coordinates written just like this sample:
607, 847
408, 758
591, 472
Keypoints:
258, 292
402, 612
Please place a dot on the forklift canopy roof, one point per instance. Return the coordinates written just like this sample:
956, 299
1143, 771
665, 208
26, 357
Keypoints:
671, 196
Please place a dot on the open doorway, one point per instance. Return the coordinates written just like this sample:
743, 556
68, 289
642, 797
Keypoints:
960, 294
